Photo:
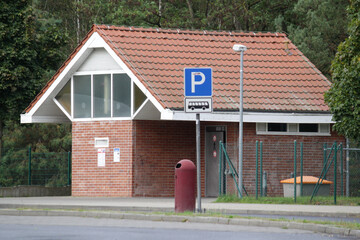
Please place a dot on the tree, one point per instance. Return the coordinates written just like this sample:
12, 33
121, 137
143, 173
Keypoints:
343, 97
18, 59
30, 51
318, 28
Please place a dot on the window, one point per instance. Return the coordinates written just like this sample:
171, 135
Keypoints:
122, 95
82, 96
277, 127
293, 129
64, 97
100, 96
306, 127
139, 98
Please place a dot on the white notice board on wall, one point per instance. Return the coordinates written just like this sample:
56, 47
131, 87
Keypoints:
116, 154
101, 157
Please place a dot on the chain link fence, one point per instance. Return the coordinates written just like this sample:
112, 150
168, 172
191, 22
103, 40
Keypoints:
24, 167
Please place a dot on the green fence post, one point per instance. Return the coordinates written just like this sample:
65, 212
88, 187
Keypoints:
301, 169
325, 157
220, 167
29, 173
295, 171
335, 166
256, 169
341, 170
261, 169
69, 168
324, 171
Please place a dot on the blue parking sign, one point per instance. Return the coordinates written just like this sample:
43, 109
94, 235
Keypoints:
198, 82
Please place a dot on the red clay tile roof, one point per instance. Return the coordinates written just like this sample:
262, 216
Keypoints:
277, 76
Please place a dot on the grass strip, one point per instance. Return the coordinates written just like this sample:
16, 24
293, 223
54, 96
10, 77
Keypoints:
344, 201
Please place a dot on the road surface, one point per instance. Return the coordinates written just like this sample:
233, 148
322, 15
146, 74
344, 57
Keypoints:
47, 227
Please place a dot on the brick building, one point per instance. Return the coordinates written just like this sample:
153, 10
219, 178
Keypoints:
123, 91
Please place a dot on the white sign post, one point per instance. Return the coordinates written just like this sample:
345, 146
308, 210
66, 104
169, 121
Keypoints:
198, 99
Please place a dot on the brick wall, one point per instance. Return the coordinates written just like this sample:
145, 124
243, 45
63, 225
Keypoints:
151, 149
278, 157
158, 146
115, 179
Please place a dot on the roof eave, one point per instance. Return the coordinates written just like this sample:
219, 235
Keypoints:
250, 116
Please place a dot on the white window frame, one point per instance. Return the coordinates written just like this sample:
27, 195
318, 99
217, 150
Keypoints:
96, 145
92, 73
297, 133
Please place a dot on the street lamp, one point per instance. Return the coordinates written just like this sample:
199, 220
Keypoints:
241, 49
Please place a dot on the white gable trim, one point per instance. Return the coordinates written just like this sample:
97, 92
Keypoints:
67, 72
250, 117
94, 41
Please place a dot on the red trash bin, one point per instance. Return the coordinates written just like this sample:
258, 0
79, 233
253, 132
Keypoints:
185, 186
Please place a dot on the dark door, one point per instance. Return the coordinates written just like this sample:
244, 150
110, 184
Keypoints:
212, 138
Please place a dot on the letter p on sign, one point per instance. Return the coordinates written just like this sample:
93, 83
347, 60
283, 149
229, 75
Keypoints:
198, 82
194, 82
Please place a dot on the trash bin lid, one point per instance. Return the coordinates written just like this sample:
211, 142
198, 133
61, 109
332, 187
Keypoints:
306, 180
185, 164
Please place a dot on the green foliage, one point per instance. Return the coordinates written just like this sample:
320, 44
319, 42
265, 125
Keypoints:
13, 167
19, 68
343, 97
30, 52
42, 138
319, 26
28, 49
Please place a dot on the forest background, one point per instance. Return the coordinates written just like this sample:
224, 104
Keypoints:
37, 36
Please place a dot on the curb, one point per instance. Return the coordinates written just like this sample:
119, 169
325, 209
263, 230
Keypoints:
286, 213
87, 208
173, 218
166, 209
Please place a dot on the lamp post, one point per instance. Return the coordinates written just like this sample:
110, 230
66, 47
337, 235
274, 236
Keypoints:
241, 49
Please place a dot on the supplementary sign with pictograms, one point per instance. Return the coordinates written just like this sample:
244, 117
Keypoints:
198, 82
198, 105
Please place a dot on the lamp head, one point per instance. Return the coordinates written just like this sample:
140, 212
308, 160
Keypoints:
239, 48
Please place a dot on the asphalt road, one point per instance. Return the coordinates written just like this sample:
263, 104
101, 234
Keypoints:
46, 227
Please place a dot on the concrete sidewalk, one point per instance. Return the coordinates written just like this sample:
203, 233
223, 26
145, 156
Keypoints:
167, 205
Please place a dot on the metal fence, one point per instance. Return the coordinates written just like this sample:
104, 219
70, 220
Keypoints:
283, 160
25, 167
353, 163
